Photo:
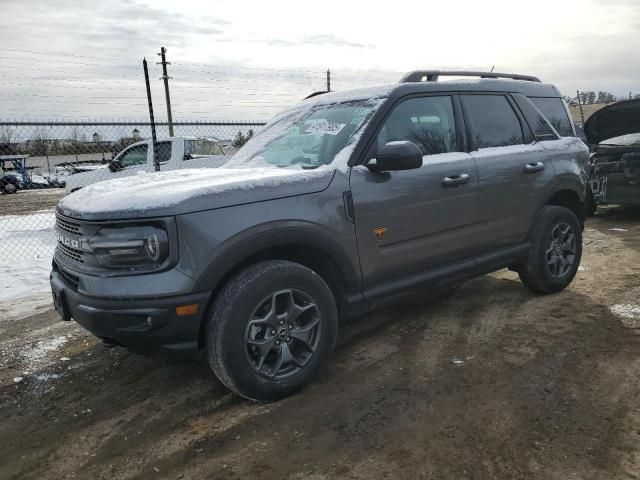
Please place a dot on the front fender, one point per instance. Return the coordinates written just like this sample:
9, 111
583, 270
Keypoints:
238, 248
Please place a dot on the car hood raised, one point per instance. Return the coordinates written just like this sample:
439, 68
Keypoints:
183, 191
614, 120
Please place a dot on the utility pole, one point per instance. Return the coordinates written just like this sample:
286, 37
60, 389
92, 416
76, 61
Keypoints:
580, 105
154, 141
166, 78
328, 80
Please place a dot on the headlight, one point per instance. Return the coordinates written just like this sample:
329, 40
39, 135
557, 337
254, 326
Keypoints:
130, 247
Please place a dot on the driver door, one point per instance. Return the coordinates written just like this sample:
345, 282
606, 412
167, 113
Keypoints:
408, 222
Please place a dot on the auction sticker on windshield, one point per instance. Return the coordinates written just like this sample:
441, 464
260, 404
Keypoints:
323, 127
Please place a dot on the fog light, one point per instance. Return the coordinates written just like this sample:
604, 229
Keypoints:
184, 310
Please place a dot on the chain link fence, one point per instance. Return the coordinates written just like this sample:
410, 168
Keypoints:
41, 162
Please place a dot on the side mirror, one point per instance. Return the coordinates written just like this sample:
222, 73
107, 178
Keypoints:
403, 155
115, 166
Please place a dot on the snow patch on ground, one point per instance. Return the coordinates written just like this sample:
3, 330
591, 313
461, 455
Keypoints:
628, 314
26, 249
37, 355
616, 229
626, 310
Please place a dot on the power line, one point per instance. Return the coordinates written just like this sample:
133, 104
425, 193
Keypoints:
69, 72
47, 60
56, 54
260, 69
59, 86
60, 96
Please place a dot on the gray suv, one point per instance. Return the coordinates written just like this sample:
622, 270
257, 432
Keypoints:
343, 203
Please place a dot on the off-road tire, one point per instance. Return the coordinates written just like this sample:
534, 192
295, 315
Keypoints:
228, 323
9, 189
535, 273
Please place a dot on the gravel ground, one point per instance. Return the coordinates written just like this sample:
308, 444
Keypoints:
493, 382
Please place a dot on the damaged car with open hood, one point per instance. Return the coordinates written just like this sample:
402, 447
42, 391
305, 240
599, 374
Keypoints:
613, 134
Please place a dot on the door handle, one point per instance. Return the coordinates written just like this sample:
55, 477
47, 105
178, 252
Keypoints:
533, 167
455, 180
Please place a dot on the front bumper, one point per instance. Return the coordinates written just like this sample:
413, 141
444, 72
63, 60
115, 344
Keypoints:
147, 326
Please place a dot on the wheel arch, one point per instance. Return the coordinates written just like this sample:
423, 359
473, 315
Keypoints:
569, 198
305, 245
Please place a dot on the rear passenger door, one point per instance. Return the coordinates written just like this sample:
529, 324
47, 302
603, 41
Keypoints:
414, 220
510, 167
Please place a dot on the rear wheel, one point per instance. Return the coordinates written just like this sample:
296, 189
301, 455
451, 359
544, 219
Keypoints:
555, 252
9, 188
271, 328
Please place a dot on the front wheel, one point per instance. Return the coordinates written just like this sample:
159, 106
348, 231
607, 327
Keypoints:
555, 252
271, 328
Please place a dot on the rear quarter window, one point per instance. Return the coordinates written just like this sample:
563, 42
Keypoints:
541, 128
556, 113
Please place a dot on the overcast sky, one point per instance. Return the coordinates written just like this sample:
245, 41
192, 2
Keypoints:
247, 60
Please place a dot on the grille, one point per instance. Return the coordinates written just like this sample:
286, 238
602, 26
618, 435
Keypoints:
68, 226
72, 253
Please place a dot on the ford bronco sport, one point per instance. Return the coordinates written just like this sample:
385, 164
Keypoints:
343, 203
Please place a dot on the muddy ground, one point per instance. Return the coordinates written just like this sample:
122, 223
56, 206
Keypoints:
493, 382
30, 201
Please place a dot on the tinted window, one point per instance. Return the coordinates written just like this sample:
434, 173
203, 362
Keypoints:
428, 122
134, 156
554, 110
493, 121
541, 128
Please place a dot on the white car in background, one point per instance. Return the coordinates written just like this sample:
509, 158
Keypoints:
35, 181
174, 153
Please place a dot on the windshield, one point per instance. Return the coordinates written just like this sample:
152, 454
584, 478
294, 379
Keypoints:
307, 137
202, 147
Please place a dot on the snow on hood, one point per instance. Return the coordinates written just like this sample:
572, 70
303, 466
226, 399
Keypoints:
189, 190
615, 120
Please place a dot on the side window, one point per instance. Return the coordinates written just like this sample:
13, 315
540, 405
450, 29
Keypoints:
554, 110
164, 152
134, 156
541, 128
493, 121
426, 121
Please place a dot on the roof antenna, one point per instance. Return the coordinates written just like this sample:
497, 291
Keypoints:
493, 68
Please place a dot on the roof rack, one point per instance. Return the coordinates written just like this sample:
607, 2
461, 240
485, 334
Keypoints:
315, 94
432, 75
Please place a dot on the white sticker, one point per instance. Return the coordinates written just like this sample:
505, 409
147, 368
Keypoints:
323, 127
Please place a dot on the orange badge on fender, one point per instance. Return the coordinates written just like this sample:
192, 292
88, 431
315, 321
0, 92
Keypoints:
379, 232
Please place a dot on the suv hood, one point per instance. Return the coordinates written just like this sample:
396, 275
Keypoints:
183, 191
617, 119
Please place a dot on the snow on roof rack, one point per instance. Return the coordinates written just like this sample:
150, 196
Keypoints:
432, 75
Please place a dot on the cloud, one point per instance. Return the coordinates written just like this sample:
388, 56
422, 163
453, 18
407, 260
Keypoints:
312, 40
107, 28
